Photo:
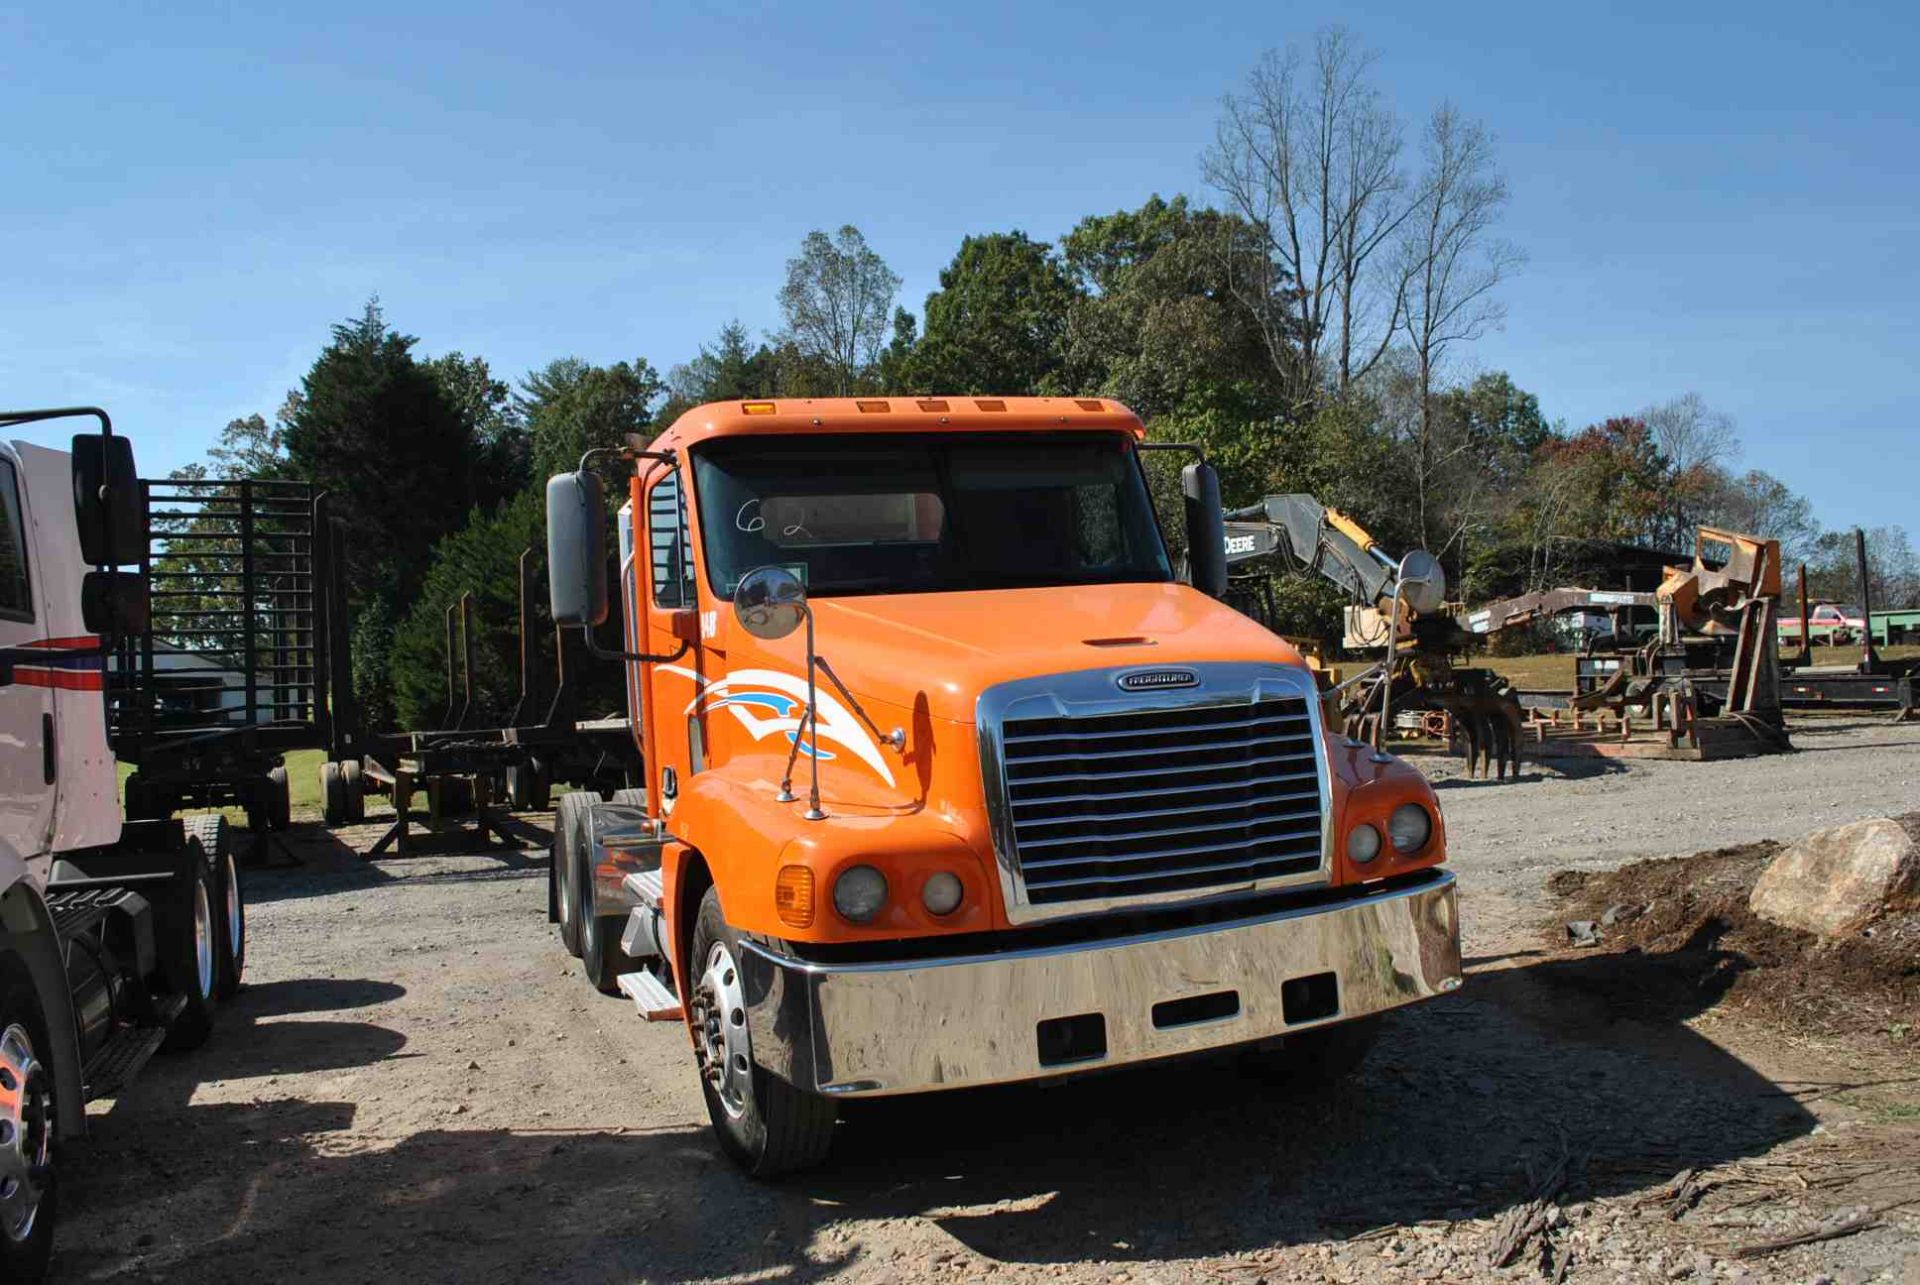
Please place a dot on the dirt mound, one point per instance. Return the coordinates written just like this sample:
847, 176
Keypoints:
1689, 915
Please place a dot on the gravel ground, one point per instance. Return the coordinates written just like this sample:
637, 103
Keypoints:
417, 1085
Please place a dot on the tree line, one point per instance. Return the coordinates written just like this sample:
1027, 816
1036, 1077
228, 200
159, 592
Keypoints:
1309, 326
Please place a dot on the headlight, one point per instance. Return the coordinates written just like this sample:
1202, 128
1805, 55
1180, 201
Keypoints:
941, 893
1363, 844
859, 893
1410, 827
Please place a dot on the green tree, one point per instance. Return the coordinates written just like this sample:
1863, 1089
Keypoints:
732, 369
570, 407
836, 302
374, 426
486, 404
998, 322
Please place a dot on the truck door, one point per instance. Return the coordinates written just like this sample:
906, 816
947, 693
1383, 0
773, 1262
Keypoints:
26, 688
678, 749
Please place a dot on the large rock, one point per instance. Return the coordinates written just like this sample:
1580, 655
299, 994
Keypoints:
1835, 881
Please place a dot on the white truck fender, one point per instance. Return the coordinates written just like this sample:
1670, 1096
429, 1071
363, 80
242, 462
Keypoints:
27, 933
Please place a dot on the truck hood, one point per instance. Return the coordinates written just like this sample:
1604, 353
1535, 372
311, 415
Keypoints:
946, 648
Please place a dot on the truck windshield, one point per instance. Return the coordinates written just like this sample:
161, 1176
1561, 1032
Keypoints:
918, 514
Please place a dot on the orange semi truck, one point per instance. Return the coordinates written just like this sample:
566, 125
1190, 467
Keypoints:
952, 781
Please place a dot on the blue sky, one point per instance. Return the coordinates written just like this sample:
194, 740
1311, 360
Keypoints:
1723, 199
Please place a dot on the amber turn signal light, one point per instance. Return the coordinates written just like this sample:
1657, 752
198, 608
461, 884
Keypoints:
793, 896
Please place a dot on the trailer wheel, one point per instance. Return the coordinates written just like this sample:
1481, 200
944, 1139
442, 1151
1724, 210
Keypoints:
569, 833
333, 795
26, 1130
353, 775
764, 1124
279, 799
190, 947
520, 787
230, 908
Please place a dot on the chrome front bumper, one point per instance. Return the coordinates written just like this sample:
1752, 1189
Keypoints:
872, 1029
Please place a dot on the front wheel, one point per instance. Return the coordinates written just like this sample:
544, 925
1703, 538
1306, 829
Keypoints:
764, 1124
26, 1130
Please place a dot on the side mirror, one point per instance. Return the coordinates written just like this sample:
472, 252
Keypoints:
770, 602
577, 548
114, 604
106, 501
1206, 529
1423, 583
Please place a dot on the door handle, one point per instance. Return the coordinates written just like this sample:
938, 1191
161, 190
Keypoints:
49, 758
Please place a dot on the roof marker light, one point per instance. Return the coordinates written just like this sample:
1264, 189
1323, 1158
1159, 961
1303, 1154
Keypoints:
873, 408
1089, 403
756, 408
990, 405
931, 404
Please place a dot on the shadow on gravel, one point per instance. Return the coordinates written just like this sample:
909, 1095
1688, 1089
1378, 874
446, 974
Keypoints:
1461, 1101
312, 861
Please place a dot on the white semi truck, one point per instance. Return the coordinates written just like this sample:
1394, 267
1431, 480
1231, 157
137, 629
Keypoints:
117, 937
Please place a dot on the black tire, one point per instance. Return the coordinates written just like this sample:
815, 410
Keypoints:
24, 1250
779, 1128
540, 795
353, 776
279, 799
600, 951
186, 924
569, 832
631, 796
520, 786
230, 908
1320, 1055
333, 795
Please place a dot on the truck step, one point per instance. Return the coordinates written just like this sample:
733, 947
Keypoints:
645, 887
651, 996
114, 1067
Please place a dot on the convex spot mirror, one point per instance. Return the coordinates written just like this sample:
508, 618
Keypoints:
106, 501
1423, 584
770, 602
577, 548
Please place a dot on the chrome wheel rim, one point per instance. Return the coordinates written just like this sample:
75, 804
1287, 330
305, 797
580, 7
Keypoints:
236, 922
26, 1133
720, 1032
202, 938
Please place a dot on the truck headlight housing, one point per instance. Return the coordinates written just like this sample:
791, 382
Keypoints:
859, 893
1409, 828
941, 893
1363, 844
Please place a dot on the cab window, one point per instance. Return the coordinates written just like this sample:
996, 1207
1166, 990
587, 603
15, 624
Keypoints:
16, 597
667, 539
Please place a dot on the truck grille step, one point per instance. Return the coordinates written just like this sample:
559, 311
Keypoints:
651, 996
645, 887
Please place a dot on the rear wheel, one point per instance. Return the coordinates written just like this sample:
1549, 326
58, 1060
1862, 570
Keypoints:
569, 832
353, 776
764, 1124
230, 908
189, 952
26, 1129
279, 799
333, 795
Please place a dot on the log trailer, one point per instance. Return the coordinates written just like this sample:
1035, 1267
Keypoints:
950, 782
118, 937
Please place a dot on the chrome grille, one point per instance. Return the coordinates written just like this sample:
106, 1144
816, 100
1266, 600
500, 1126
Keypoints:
1165, 799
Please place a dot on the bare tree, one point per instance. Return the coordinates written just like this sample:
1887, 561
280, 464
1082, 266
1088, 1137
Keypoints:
837, 299
1449, 265
1310, 156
